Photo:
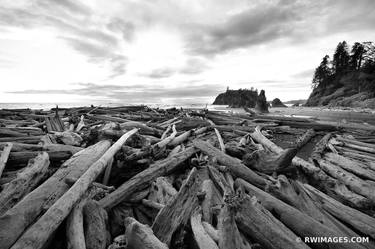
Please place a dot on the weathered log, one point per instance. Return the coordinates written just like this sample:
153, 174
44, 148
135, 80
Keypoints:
107, 172
37, 235
356, 167
235, 150
34, 204
359, 147
25, 182
22, 147
95, 220
25, 156
268, 163
106, 118
229, 235
301, 224
355, 142
201, 237
175, 150
184, 136
219, 180
54, 123
177, 212
161, 191
141, 236
4, 156
68, 138
356, 154
17, 122
144, 178
152, 204
358, 220
75, 234
143, 129
261, 226
6, 132
219, 138
330, 185
75, 237
235, 166
294, 194
62, 147
212, 198
26, 139
356, 184
165, 133
320, 148
156, 148
305, 138
214, 234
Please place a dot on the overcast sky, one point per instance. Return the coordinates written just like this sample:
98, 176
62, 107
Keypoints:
169, 51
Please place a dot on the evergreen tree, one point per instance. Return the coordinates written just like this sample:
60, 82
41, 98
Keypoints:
356, 56
322, 72
341, 58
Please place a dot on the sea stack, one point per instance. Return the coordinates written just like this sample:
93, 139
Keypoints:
261, 103
277, 103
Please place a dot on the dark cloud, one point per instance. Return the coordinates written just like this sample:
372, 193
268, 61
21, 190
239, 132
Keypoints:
253, 26
288, 20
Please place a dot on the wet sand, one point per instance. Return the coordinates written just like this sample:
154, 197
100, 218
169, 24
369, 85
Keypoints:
363, 116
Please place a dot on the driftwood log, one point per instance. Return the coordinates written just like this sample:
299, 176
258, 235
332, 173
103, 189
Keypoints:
139, 236
4, 156
235, 166
25, 212
95, 220
177, 212
143, 179
259, 224
25, 182
330, 185
201, 236
38, 234
300, 223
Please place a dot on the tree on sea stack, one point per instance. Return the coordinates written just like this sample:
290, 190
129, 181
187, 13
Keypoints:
261, 104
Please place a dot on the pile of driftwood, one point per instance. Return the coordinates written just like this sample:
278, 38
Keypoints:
136, 177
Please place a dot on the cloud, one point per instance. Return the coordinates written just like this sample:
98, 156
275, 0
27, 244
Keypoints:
126, 28
194, 66
72, 22
100, 53
252, 26
290, 21
133, 93
159, 73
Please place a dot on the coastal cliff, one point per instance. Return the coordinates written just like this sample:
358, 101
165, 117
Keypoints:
348, 79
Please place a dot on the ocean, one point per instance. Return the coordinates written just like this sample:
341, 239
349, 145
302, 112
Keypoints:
47, 106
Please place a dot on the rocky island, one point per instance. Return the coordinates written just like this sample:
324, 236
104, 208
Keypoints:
237, 98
